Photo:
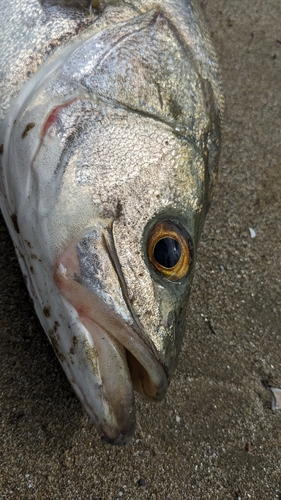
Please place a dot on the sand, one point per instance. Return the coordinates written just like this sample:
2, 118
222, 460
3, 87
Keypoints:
215, 436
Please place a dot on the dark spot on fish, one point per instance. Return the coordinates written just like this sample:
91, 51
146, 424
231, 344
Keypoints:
167, 143
28, 127
74, 342
78, 279
33, 256
31, 269
55, 343
175, 108
90, 352
119, 208
15, 222
1, 149
141, 482
28, 243
47, 311
54, 329
159, 95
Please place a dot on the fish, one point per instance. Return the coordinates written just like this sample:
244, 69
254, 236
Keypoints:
110, 139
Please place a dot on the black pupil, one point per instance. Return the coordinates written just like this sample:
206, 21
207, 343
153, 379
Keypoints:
167, 252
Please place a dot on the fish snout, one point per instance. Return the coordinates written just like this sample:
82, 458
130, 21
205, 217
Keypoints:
120, 360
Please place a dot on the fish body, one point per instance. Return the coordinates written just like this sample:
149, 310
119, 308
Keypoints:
110, 142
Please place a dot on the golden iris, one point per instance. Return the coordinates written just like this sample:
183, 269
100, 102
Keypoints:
168, 250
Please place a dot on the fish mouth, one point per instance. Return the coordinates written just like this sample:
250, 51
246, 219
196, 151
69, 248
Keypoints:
119, 359
122, 373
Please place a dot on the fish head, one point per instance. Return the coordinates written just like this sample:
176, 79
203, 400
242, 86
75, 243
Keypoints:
123, 160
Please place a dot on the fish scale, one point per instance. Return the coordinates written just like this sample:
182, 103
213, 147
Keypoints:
110, 141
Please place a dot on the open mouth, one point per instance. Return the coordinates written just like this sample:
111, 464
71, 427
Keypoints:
120, 358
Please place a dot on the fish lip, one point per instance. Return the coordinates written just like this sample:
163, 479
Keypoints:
139, 353
117, 431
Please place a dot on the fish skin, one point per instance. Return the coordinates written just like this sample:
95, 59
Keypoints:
110, 124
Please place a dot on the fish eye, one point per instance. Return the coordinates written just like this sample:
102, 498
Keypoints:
169, 250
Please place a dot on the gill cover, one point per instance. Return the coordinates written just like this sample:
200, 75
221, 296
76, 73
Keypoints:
110, 158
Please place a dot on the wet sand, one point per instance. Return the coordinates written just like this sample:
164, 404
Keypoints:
215, 436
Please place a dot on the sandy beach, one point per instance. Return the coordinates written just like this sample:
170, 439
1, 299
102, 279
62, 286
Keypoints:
215, 435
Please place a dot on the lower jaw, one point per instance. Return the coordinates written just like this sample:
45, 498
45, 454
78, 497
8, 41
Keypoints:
120, 373
120, 360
